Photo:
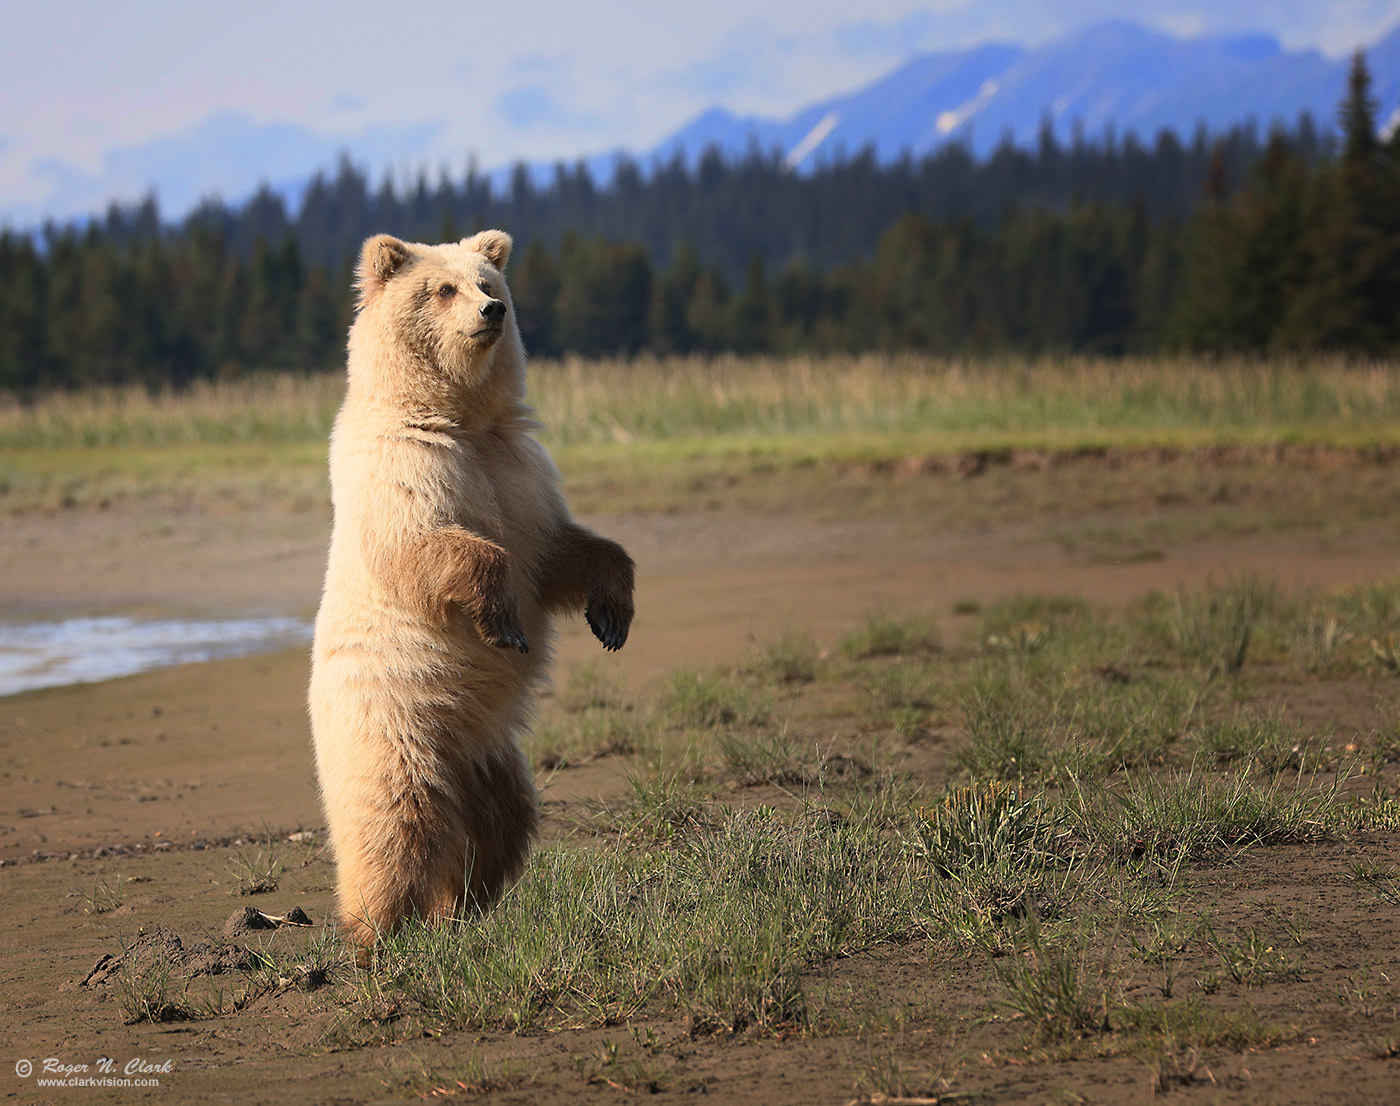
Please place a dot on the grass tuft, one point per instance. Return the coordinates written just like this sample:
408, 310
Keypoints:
1319, 641
1060, 989
767, 758
713, 701
104, 896
792, 658
1252, 961
1260, 744
592, 687
1191, 816
258, 869
144, 989
891, 636
990, 847
1031, 616
1214, 627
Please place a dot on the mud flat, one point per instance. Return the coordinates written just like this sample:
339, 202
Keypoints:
152, 806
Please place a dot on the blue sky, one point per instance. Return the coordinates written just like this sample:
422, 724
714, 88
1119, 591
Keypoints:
105, 99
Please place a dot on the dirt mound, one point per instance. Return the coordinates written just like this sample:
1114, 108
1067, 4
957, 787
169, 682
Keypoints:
163, 947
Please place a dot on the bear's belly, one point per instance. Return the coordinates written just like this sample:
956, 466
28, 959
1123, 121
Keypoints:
410, 675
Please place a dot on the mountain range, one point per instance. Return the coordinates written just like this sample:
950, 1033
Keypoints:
1111, 77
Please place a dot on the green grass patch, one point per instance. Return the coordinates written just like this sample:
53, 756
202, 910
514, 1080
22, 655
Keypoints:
1061, 988
1215, 627
1192, 816
593, 937
1265, 744
713, 701
792, 658
1051, 723
994, 403
892, 636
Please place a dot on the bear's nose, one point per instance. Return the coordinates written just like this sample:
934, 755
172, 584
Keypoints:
493, 311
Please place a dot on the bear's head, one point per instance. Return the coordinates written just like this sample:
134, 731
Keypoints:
438, 320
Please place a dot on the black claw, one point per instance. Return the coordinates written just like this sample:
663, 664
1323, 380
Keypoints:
510, 637
604, 630
612, 632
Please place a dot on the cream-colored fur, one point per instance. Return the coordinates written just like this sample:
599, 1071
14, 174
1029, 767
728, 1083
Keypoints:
452, 549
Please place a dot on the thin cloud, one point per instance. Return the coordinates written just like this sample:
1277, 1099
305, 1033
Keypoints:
750, 60
869, 38
541, 65
535, 106
226, 153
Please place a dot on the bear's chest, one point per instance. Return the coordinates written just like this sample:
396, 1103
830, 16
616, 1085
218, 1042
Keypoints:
499, 495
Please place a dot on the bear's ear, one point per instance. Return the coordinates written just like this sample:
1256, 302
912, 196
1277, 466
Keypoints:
494, 245
380, 258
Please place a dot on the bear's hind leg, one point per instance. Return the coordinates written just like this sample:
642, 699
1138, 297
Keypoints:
502, 814
442, 894
370, 905
409, 863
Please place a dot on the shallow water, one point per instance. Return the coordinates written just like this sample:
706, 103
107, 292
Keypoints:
83, 650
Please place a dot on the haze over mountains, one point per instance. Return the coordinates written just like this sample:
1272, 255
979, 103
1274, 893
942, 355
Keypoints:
1112, 76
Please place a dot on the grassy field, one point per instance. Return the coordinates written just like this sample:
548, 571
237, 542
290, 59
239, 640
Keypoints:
1020, 846
688, 423
1059, 799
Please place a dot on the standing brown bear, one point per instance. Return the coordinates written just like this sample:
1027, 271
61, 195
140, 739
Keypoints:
452, 550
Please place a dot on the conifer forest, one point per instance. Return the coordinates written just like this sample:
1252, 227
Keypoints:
1237, 243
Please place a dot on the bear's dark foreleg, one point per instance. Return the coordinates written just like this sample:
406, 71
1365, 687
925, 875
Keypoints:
595, 573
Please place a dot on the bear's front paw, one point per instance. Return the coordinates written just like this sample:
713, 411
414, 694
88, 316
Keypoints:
502, 629
609, 622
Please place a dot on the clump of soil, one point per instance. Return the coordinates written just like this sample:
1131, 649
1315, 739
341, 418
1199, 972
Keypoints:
248, 919
165, 947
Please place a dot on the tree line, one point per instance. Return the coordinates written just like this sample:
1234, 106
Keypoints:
1234, 244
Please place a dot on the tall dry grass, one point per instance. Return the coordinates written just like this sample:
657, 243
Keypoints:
921, 400
1050, 400
266, 409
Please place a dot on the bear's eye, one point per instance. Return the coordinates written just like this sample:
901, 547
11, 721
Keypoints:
486, 288
447, 291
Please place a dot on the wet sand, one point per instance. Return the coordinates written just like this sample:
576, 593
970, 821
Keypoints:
162, 778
